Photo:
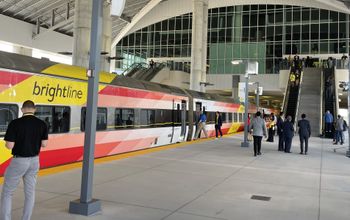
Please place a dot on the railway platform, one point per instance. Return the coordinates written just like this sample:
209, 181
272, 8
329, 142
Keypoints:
205, 180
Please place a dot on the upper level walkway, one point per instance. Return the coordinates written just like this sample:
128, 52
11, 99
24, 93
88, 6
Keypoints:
206, 180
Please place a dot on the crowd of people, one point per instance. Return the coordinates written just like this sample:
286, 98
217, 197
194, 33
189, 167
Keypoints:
285, 132
263, 126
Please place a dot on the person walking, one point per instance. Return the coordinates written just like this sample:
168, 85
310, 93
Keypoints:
329, 121
280, 132
304, 133
24, 136
288, 133
201, 125
271, 131
339, 127
218, 124
259, 130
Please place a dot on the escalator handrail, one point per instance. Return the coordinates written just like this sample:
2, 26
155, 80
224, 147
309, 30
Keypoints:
298, 100
286, 96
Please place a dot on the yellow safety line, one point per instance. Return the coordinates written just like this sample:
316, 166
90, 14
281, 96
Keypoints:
71, 166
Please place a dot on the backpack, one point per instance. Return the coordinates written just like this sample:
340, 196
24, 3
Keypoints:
345, 126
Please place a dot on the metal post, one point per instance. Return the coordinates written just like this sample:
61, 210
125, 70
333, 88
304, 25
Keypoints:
86, 205
245, 142
257, 96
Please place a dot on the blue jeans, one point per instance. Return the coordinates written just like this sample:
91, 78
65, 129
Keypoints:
339, 137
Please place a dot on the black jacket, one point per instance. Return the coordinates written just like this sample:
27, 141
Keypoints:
304, 128
288, 129
218, 121
279, 125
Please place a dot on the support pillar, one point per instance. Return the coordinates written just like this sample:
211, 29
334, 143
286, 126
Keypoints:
23, 50
199, 45
106, 38
82, 29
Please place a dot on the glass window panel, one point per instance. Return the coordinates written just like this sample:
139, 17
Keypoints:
342, 17
342, 47
261, 34
296, 32
262, 19
288, 16
214, 21
101, 119
315, 31
165, 25
270, 33
306, 15
315, 15
314, 47
324, 15
271, 18
305, 48
279, 18
324, 46
253, 34
296, 16
333, 16
323, 31
245, 34
171, 24
57, 118
288, 33
245, 20
278, 33
229, 21
333, 33
253, 19
8, 112
305, 32
342, 27
333, 47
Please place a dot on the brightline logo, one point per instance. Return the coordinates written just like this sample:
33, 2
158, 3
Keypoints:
58, 91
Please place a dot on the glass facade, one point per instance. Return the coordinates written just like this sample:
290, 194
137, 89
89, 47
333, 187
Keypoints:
262, 33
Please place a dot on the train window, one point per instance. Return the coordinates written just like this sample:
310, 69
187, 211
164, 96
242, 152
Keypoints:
101, 119
235, 117
223, 117
147, 118
8, 112
164, 118
124, 118
230, 116
210, 117
57, 118
240, 117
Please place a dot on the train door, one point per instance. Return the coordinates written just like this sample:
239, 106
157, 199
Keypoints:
183, 119
196, 115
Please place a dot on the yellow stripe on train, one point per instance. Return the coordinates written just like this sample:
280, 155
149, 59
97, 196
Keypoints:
76, 72
50, 90
5, 153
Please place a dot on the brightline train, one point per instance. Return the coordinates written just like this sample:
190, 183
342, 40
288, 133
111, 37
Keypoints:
132, 115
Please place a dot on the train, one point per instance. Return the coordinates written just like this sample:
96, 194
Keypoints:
131, 115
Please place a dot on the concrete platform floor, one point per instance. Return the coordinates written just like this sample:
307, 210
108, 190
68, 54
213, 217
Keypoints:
208, 180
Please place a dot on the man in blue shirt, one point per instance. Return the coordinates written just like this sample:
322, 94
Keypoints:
329, 121
201, 125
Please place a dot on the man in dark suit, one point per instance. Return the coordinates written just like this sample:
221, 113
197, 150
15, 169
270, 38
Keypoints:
280, 132
288, 133
304, 133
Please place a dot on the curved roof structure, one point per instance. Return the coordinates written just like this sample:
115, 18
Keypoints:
58, 15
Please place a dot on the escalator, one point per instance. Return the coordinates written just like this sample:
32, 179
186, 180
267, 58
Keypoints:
292, 94
151, 72
329, 96
135, 69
